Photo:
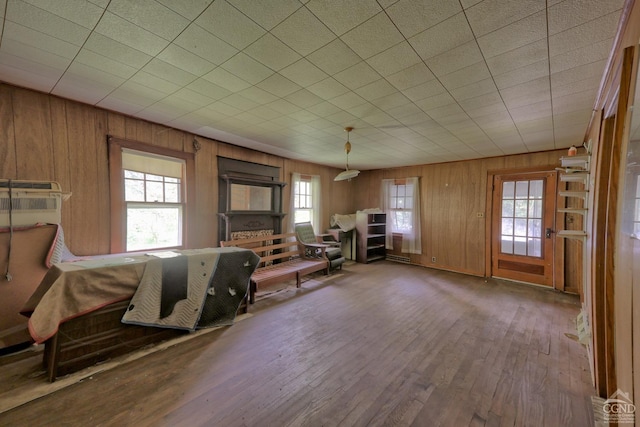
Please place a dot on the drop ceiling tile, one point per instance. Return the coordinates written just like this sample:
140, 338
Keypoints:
343, 15
391, 101
304, 116
168, 72
124, 106
80, 12
404, 111
258, 95
334, 57
456, 59
40, 20
30, 38
413, 17
472, 90
323, 109
135, 93
150, 15
82, 88
250, 118
92, 59
283, 106
116, 51
394, 59
28, 73
189, 95
572, 13
479, 102
220, 109
185, 60
272, 52
532, 111
375, 90
267, 13
522, 75
347, 101
223, 20
517, 58
278, 85
574, 101
303, 73
579, 57
154, 82
3, 6
435, 101
411, 77
424, 90
442, 37
208, 89
31, 54
265, 112
328, 88
584, 35
240, 102
513, 36
373, 36
303, 32
342, 119
491, 15
465, 76
190, 10
225, 79
197, 40
592, 70
303, 98
125, 32
357, 76
247, 68
526, 93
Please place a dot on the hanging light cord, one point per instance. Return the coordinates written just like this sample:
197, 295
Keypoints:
8, 275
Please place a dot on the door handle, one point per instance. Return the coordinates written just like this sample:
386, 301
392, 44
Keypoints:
548, 232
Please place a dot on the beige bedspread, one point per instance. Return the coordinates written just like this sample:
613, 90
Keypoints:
72, 289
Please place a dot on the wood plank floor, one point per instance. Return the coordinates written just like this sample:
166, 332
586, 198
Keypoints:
377, 344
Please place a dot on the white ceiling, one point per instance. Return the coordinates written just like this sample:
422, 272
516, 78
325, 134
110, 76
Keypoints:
421, 81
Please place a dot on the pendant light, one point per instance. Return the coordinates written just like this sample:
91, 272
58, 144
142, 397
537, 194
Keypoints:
347, 173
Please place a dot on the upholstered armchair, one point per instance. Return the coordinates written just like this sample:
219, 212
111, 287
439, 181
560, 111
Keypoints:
306, 236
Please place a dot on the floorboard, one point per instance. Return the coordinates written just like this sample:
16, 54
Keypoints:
382, 344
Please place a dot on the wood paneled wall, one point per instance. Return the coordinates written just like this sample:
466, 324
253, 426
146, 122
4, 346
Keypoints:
44, 137
48, 138
452, 195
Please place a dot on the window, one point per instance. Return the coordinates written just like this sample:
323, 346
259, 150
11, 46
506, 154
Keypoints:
305, 199
401, 207
148, 197
401, 202
521, 226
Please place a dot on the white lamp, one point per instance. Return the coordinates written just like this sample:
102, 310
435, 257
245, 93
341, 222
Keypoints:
347, 173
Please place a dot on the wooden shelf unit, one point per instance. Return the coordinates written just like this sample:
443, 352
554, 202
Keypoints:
370, 236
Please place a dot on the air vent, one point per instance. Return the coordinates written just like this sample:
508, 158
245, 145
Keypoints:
24, 203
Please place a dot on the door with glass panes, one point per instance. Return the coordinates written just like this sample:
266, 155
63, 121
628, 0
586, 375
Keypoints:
523, 230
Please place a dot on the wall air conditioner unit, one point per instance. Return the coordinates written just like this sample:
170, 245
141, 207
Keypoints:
24, 203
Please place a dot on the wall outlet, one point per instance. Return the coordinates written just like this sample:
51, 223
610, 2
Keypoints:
480, 214
433, 259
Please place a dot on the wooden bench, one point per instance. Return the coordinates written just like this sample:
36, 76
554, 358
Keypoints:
282, 258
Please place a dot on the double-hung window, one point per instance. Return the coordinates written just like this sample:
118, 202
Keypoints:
148, 198
305, 199
401, 202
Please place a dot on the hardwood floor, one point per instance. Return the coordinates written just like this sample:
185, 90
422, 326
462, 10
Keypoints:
376, 344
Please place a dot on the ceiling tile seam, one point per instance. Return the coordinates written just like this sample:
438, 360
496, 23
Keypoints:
170, 42
553, 124
4, 22
504, 26
53, 88
615, 12
427, 66
484, 58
